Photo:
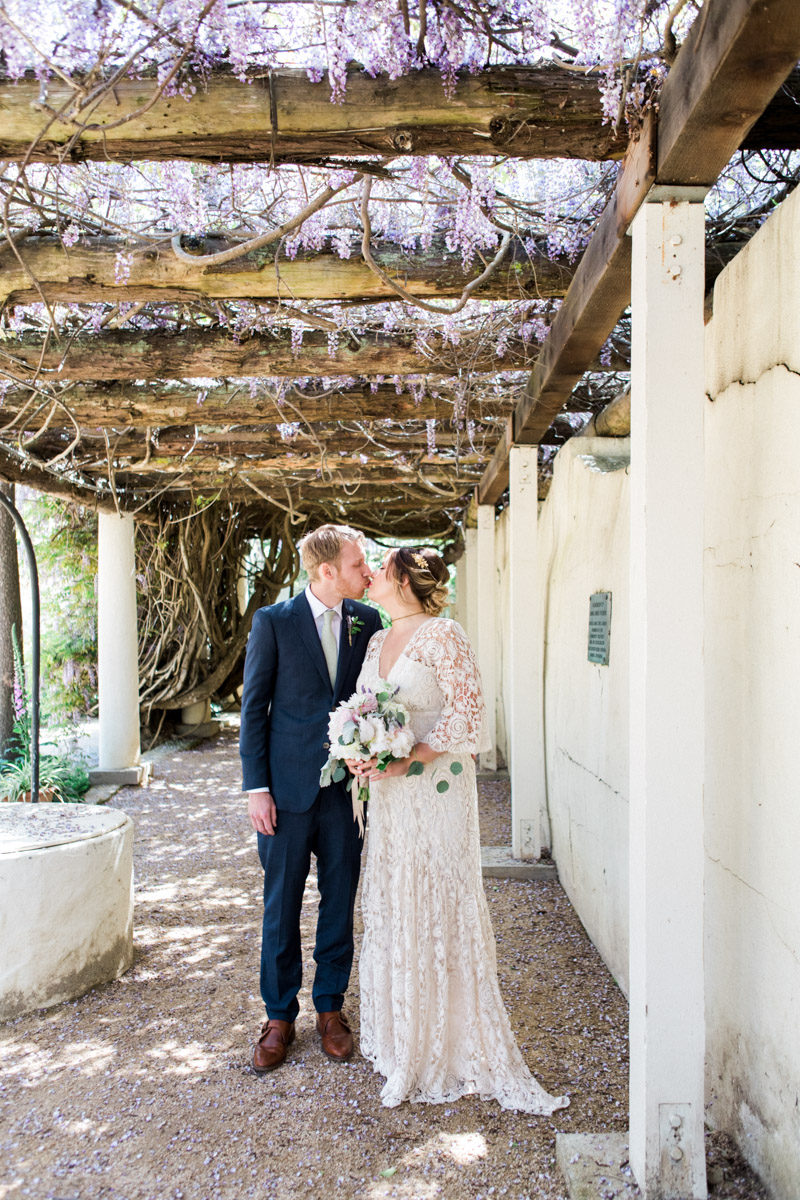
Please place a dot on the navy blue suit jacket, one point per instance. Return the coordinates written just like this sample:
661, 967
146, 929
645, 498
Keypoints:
288, 697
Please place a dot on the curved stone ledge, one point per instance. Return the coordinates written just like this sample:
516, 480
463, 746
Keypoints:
66, 902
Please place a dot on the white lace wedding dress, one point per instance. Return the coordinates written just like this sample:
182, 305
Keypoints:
432, 1018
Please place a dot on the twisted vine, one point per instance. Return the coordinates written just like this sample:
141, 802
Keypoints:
192, 631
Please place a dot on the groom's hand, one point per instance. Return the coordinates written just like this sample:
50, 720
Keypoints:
263, 812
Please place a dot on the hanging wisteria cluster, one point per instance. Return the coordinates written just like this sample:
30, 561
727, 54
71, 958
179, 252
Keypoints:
384, 36
463, 210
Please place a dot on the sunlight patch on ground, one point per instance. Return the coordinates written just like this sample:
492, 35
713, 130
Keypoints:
186, 1059
405, 1178
90, 1058
463, 1148
159, 894
412, 1188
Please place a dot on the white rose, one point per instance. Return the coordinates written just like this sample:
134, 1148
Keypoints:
367, 730
402, 742
380, 743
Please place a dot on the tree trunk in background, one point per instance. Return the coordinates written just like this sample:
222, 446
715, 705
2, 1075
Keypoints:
10, 615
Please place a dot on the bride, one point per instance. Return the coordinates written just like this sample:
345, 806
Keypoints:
432, 1018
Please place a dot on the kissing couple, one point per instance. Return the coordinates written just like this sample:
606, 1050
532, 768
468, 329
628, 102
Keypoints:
433, 1022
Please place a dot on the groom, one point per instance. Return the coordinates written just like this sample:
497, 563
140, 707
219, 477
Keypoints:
303, 657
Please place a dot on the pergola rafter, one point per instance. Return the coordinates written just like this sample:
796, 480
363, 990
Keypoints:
704, 114
280, 116
88, 273
213, 353
111, 405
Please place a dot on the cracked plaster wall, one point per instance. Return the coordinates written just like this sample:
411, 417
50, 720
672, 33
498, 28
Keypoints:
583, 532
752, 651
752, 658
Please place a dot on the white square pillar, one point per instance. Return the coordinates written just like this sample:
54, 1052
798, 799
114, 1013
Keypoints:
468, 607
667, 1019
529, 831
487, 625
117, 646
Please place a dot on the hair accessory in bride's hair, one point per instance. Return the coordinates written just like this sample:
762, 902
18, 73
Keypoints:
421, 561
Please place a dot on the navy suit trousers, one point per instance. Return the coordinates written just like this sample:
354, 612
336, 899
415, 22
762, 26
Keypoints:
328, 831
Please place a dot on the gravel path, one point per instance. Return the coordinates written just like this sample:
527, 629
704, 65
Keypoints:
142, 1090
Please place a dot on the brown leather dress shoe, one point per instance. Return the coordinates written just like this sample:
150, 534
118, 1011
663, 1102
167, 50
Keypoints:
337, 1040
270, 1049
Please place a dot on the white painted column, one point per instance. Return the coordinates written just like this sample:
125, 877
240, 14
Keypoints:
526, 661
487, 625
117, 652
667, 1020
469, 607
457, 609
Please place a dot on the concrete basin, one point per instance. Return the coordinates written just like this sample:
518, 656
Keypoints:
66, 902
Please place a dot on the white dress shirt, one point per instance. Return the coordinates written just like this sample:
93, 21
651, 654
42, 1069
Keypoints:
318, 610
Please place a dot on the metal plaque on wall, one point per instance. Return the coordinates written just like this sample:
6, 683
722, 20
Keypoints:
599, 627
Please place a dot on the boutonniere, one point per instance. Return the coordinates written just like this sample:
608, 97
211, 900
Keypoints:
354, 627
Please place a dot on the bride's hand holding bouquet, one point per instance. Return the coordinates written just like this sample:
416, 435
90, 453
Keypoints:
368, 733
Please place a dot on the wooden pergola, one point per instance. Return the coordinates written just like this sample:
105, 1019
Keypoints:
399, 433
107, 417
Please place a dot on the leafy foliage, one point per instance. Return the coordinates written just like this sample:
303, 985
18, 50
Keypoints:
62, 775
65, 542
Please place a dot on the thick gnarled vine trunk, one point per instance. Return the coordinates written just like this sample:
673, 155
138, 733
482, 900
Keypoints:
192, 634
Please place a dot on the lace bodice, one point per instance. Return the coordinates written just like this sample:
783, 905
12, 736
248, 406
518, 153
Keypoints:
439, 682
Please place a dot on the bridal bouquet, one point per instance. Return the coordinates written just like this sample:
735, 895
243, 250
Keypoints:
371, 724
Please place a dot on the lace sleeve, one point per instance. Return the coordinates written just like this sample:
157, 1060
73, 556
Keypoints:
461, 727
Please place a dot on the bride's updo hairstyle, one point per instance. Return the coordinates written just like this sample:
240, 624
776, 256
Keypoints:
427, 575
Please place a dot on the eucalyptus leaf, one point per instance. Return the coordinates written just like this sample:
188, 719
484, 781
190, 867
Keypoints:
416, 768
456, 768
443, 786
339, 774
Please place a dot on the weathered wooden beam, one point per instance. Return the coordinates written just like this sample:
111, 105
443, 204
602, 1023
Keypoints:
596, 298
157, 404
403, 518
214, 354
612, 421
441, 469
280, 116
70, 485
494, 480
529, 112
778, 128
119, 406
734, 58
737, 53
87, 273
200, 441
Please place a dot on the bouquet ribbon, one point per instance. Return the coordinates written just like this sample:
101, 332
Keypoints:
357, 791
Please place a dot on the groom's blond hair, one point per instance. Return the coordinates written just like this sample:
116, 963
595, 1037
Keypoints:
325, 545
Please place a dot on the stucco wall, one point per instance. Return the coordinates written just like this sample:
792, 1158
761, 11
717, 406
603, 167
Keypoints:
584, 541
752, 673
752, 651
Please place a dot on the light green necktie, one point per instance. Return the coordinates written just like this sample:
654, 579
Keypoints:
329, 647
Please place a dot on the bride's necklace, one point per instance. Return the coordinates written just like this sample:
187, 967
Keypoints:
418, 613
